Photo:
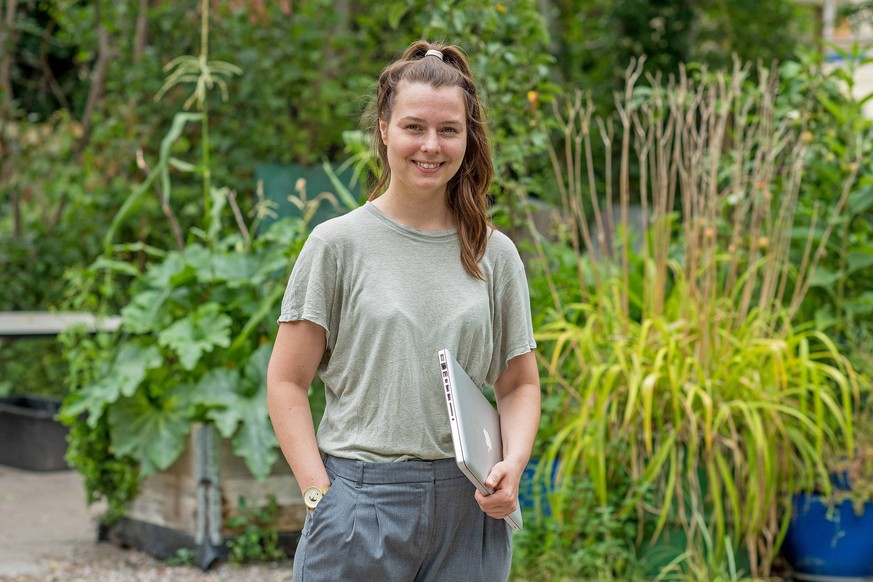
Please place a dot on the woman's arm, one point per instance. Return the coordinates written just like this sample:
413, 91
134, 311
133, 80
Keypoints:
518, 400
296, 354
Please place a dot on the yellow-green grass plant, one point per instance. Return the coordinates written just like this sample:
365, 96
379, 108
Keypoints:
684, 351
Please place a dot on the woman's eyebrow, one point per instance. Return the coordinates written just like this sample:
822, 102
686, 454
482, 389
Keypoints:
412, 118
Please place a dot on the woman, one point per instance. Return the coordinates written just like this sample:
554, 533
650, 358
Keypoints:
373, 297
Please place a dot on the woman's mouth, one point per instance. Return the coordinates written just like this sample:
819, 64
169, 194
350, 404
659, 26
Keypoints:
428, 165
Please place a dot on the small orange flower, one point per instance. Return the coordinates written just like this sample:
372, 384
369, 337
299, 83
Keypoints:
500, 8
763, 242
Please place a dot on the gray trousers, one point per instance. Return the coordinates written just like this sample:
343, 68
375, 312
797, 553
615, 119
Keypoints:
413, 521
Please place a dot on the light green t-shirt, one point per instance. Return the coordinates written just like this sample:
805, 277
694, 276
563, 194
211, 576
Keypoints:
390, 297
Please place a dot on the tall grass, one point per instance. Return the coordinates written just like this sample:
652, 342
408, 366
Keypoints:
684, 350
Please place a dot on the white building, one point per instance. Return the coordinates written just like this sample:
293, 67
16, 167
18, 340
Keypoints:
843, 34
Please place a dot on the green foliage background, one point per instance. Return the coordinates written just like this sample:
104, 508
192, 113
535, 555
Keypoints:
80, 131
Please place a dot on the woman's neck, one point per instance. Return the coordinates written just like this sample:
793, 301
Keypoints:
429, 213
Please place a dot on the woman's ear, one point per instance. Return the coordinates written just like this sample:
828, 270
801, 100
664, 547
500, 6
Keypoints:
383, 129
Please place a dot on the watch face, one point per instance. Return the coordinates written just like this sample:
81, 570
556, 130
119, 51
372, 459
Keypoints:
312, 496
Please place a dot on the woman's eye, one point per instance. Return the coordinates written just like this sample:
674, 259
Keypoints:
450, 130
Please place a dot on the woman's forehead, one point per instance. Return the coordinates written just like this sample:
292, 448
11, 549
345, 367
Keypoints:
424, 100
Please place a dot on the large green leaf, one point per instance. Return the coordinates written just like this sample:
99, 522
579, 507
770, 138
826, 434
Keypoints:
237, 269
154, 434
197, 333
199, 260
244, 415
256, 441
171, 272
121, 378
146, 312
219, 390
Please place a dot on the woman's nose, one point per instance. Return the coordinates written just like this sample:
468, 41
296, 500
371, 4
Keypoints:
431, 142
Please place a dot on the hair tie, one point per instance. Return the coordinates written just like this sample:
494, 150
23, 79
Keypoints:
434, 53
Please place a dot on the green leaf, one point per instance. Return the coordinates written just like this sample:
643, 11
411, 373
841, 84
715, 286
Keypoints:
861, 305
256, 441
823, 277
180, 120
220, 390
396, 13
171, 272
197, 333
121, 378
131, 205
237, 269
154, 434
244, 415
343, 193
198, 259
833, 109
114, 266
860, 200
219, 201
859, 259
146, 312
182, 165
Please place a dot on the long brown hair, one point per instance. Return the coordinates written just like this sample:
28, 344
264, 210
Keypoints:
466, 192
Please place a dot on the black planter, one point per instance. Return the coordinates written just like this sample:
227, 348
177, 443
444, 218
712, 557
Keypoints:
30, 437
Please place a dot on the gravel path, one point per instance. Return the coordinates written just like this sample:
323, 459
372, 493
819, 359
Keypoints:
48, 534
107, 563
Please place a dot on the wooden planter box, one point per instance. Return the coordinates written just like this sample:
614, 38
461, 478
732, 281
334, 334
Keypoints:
30, 437
188, 505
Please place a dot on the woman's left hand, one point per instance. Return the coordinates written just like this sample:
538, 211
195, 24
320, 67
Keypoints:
504, 479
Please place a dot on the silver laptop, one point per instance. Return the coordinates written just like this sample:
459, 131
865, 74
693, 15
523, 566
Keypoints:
475, 428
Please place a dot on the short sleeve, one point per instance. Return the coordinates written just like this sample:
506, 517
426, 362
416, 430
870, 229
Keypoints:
312, 288
513, 327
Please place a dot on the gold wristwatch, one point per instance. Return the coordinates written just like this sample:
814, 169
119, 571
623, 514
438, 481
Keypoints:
313, 495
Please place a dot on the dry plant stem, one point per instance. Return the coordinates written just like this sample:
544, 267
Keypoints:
592, 182
806, 277
98, 77
47, 69
538, 242
165, 206
633, 73
607, 136
592, 192
568, 185
240, 221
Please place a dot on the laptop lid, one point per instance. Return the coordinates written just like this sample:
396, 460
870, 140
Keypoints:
475, 428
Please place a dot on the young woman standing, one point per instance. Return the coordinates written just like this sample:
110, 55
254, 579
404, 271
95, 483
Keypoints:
373, 297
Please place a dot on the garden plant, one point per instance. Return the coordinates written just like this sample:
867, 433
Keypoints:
196, 329
677, 366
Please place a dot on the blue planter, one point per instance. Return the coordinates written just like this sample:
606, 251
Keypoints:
533, 491
829, 543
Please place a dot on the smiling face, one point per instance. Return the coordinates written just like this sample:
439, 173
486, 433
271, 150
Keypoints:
426, 138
